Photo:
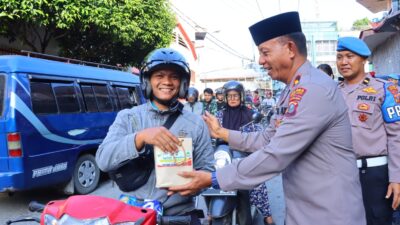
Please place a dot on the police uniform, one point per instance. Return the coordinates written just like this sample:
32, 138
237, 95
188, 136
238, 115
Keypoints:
373, 113
310, 143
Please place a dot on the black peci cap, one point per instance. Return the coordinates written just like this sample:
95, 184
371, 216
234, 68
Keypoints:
275, 26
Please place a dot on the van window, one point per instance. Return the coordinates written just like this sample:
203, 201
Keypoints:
2, 89
89, 98
43, 100
67, 99
126, 100
103, 98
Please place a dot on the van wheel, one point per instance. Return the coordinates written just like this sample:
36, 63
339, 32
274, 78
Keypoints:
86, 174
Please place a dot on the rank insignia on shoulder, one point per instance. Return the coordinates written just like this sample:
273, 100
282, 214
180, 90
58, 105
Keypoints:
363, 106
296, 80
363, 117
370, 90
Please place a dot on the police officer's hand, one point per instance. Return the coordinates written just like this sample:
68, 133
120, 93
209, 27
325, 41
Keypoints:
394, 188
200, 180
215, 128
157, 136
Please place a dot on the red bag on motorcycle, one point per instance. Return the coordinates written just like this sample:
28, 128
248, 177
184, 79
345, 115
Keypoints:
77, 209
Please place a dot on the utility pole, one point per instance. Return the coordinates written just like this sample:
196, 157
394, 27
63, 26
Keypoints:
316, 6
279, 5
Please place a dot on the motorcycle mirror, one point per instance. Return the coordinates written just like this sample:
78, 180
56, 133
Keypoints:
257, 117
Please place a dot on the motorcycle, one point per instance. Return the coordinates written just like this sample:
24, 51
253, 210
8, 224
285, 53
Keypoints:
97, 210
267, 111
232, 207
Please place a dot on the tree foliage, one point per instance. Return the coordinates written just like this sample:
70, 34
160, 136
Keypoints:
361, 24
105, 31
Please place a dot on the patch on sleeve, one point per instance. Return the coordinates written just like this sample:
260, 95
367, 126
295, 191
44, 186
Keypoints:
395, 92
370, 90
294, 99
296, 80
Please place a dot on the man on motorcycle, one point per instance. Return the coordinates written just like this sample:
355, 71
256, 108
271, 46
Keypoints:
219, 95
165, 77
192, 104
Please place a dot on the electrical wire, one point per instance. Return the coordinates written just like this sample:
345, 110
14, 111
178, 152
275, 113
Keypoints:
259, 9
213, 39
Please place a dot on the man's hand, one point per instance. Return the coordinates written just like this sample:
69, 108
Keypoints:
394, 188
215, 128
157, 136
200, 180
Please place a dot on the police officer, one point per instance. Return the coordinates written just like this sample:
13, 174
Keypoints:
164, 77
309, 142
374, 113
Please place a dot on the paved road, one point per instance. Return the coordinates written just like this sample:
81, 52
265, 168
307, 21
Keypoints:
16, 206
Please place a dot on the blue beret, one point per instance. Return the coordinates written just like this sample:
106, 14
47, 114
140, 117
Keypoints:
272, 27
393, 76
353, 44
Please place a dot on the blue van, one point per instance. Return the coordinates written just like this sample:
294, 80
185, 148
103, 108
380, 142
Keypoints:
53, 116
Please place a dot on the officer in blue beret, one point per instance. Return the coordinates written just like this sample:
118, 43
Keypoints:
354, 45
308, 139
374, 116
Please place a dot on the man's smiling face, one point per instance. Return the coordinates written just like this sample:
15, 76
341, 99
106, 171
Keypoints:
165, 84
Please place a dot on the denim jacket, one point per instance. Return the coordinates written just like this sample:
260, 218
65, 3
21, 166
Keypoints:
119, 146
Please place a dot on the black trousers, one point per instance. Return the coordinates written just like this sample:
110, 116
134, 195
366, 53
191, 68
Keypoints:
374, 184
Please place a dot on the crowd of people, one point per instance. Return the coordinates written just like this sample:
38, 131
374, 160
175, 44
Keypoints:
213, 102
228, 104
336, 144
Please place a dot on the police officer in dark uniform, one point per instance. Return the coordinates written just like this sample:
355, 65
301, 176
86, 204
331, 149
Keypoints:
374, 112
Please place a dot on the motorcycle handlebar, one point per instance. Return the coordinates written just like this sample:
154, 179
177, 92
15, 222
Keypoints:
175, 220
35, 206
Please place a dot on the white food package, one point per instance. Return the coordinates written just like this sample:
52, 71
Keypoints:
168, 165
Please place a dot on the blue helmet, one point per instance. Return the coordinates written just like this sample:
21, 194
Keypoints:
161, 59
236, 86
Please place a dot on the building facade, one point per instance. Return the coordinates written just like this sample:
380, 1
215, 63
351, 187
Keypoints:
384, 37
321, 42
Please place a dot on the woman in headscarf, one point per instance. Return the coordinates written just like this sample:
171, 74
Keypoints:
234, 117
